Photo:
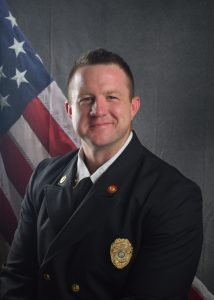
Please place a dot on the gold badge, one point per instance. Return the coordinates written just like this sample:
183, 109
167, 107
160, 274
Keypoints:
121, 252
62, 179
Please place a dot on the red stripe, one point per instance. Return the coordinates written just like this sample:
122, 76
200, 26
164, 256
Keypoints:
16, 166
8, 220
50, 134
194, 295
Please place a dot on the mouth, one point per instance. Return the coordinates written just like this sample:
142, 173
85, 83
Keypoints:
103, 124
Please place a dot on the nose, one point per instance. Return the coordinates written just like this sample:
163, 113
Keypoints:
99, 107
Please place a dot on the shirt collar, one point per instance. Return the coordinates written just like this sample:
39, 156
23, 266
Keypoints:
82, 170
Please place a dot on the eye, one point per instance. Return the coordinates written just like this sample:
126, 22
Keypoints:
112, 97
86, 100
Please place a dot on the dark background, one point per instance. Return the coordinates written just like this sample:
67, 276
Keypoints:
170, 48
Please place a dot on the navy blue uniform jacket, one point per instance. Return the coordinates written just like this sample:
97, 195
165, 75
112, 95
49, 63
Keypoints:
137, 234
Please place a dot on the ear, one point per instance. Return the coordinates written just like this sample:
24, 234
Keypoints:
135, 106
68, 108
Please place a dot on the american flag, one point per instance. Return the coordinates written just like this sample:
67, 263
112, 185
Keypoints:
33, 122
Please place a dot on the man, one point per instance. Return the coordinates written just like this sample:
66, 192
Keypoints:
134, 228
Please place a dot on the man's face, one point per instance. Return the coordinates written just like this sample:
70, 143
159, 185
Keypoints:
101, 108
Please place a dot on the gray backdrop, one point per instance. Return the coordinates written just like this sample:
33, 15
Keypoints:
169, 46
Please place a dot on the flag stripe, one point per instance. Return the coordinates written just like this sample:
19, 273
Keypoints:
6, 213
200, 288
54, 100
194, 295
9, 190
28, 142
16, 166
51, 135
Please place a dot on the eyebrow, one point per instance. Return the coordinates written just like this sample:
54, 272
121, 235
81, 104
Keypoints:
107, 92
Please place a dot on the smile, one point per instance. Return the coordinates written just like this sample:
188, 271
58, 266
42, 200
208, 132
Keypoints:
101, 124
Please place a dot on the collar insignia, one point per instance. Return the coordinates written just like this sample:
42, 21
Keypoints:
112, 189
62, 179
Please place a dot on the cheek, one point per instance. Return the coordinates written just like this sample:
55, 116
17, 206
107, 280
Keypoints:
117, 111
78, 117
122, 112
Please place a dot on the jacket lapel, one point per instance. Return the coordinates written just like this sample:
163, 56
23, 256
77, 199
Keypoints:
104, 196
59, 196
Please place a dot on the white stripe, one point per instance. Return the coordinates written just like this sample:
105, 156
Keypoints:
27, 142
202, 289
54, 100
9, 190
4, 248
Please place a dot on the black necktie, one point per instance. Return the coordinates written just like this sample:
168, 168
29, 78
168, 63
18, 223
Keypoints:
79, 192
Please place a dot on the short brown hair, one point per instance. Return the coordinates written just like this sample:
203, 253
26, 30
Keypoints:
102, 56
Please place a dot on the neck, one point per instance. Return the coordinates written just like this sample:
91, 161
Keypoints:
95, 157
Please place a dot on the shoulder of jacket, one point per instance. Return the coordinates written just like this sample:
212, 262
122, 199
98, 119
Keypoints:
157, 170
46, 173
52, 162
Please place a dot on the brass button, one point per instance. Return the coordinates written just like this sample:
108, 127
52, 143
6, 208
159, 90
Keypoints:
75, 287
47, 276
112, 189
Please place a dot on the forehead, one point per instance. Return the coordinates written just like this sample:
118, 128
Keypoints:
100, 74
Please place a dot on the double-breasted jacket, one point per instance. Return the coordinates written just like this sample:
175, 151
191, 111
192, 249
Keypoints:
137, 234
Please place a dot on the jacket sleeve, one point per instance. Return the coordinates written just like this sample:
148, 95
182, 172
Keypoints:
166, 262
18, 276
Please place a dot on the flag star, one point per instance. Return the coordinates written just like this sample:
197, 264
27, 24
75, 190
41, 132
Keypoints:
20, 77
2, 75
17, 47
12, 20
3, 102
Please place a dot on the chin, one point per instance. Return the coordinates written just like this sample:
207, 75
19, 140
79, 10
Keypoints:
100, 143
